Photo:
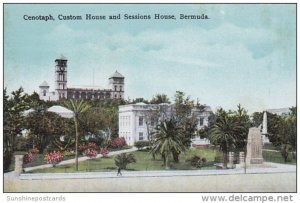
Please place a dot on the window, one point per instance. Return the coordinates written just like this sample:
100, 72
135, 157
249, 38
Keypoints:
152, 121
140, 121
44, 93
141, 137
120, 88
115, 87
201, 121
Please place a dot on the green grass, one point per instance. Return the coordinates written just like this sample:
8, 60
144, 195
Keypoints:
277, 158
270, 146
144, 162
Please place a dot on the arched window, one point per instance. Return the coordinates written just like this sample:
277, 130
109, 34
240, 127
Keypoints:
44, 93
115, 87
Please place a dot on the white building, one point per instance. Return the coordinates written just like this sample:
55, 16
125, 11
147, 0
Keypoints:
137, 121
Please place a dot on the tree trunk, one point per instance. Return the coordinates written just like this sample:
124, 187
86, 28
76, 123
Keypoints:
175, 156
164, 159
76, 143
225, 160
167, 162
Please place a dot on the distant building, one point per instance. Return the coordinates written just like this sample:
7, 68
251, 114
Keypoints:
137, 121
62, 91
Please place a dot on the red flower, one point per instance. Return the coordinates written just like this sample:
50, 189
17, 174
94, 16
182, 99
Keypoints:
104, 152
34, 150
54, 157
91, 153
118, 142
28, 158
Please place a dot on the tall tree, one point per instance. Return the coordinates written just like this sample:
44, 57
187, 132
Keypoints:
273, 125
13, 119
244, 123
159, 99
40, 124
186, 112
287, 133
78, 107
167, 139
224, 132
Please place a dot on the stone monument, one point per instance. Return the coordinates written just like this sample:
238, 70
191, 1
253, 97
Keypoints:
19, 163
265, 124
230, 160
254, 147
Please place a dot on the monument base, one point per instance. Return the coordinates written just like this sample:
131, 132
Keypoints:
256, 161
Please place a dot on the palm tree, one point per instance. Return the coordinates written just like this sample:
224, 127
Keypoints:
224, 132
122, 160
77, 107
166, 140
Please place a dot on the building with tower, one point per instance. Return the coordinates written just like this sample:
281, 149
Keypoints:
115, 88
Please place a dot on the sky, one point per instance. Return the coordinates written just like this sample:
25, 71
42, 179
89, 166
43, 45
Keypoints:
243, 54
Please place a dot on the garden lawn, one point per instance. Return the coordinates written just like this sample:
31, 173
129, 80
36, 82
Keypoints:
144, 162
272, 156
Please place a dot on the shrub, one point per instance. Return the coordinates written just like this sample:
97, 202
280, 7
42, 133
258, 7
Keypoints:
28, 158
54, 157
69, 152
122, 160
142, 144
91, 153
82, 147
104, 152
118, 142
197, 161
34, 150
51, 148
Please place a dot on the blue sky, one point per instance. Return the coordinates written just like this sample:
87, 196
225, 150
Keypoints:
243, 54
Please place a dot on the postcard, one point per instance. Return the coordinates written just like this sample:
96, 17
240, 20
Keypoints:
140, 97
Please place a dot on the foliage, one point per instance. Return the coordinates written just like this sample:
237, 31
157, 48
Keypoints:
104, 152
186, 112
273, 123
90, 152
118, 142
54, 157
167, 139
69, 152
282, 131
197, 162
43, 125
28, 158
144, 162
82, 147
243, 125
141, 144
225, 132
34, 150
139, 100
78, 107
285, 150
122, 160
13, 108
159, 99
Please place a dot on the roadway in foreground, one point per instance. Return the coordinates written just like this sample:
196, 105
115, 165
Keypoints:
268, 182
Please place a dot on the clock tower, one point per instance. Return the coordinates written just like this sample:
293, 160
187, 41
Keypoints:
61, 77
